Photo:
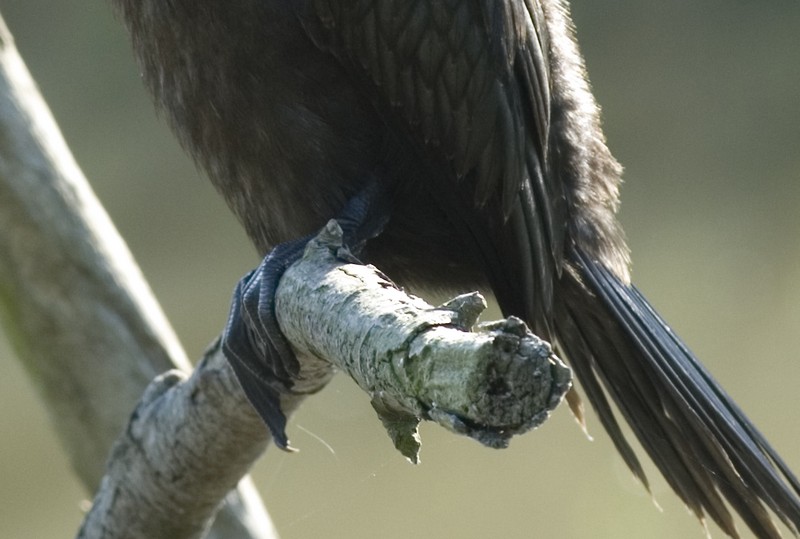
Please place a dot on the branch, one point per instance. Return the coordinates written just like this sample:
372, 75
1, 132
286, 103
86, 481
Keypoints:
75, 306
416, 361
187, 444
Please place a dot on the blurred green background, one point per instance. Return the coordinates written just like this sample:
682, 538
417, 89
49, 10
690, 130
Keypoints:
701, 104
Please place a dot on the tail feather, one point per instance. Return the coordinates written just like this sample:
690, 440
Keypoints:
594, 391
699, 439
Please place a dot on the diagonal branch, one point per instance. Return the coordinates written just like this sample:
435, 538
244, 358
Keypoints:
75, 306
188, 443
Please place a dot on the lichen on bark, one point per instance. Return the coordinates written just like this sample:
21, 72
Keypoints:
416, 361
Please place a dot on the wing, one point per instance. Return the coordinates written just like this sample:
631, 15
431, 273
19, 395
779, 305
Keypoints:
467, 81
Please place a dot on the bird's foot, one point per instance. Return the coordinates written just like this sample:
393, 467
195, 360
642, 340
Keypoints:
260, 355
257, 350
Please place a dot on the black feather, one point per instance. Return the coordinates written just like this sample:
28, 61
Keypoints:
694, 432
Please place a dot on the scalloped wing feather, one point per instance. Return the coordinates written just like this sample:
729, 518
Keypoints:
470, 80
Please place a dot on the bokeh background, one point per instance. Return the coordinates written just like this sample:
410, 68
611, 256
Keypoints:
701, 103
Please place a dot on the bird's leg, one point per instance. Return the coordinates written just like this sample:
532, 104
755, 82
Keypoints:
257, 350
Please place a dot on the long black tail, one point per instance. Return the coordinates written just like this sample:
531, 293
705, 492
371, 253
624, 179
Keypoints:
700, 440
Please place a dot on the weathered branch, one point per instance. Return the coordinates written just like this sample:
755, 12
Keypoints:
416, 361
78, 312
187, 444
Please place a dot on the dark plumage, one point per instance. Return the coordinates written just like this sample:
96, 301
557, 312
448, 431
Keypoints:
476, 116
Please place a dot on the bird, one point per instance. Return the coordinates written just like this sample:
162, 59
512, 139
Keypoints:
464, 136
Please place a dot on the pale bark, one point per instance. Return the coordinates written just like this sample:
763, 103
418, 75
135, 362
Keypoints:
76, 308
414, 360
188, 442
